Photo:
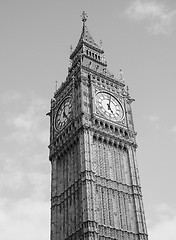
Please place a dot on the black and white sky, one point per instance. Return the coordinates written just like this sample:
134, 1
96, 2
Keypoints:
138, 37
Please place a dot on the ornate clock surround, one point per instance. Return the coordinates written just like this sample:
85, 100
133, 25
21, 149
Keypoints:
109, 106
63, 113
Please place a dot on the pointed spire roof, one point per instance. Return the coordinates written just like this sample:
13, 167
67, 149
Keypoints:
86, 38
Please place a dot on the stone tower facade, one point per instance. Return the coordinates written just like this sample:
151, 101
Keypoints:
95, 188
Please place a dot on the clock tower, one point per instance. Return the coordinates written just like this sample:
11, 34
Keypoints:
95, 188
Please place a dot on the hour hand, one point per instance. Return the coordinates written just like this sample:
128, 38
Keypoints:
64, 115
108, 104
109, 108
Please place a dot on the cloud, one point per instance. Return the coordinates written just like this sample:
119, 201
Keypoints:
28, 125
20, 184
24, 144
165, 211
24, 168
26, 219
10, 96
165, 226
24, 202
174, 129
158, 17
154, 119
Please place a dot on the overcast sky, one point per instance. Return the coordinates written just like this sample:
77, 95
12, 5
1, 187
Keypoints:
138, 37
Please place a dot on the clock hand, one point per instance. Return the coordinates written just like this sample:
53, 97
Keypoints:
64, 115
109, 102
109, 108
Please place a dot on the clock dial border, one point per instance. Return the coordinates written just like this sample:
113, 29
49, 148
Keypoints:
59, 115
112, 108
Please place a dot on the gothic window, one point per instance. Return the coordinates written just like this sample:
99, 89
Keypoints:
126, 134
96, 122
111, 127
116, 130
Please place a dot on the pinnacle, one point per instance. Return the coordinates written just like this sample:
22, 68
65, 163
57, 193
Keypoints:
85, 37
84, 17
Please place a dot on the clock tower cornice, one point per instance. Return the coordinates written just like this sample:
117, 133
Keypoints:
100, 75
63, 143
81, 45
65, 87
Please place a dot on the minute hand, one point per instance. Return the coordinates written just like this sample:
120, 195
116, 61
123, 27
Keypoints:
109, 106
109, 100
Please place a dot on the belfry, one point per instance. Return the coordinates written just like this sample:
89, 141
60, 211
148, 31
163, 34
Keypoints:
95, 187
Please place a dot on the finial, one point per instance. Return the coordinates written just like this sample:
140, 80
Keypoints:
71, 49
101, 44
70, 61
121, 75
84, 17
127, 89
56, 86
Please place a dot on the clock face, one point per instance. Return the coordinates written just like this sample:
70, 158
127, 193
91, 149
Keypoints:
63, 114
109, 106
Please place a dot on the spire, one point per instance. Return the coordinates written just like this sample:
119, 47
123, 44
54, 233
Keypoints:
85, 37
84, 17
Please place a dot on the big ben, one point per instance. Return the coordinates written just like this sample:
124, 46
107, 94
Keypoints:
95, 187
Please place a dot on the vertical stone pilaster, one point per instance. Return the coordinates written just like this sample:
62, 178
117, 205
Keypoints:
132, 166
